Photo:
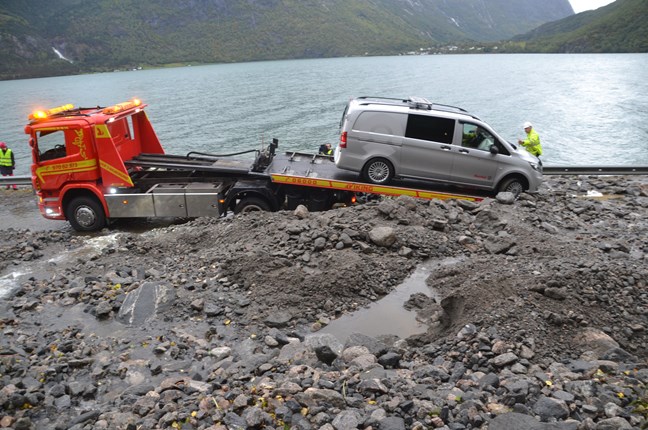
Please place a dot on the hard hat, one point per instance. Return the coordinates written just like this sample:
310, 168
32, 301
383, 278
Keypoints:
3, 145
527, 124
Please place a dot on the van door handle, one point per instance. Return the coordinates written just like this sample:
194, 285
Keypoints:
464, 151
446, 148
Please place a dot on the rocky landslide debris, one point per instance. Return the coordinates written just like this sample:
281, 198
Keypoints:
214, 324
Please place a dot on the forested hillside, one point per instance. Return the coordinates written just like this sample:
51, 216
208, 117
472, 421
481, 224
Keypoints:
108, 34
621, 26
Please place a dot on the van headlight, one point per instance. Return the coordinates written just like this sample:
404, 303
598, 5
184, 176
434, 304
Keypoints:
536, 166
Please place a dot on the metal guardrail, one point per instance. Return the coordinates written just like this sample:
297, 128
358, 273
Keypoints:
595, 170
17, 180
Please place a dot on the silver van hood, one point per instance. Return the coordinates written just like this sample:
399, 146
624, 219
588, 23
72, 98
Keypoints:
524, 154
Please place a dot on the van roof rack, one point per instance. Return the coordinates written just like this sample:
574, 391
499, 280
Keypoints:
415, 102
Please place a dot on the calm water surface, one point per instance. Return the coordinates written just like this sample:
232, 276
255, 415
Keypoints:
588, 109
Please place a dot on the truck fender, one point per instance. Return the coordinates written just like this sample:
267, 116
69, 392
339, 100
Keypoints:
71, 191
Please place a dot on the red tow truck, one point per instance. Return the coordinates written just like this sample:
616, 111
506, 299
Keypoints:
92, 165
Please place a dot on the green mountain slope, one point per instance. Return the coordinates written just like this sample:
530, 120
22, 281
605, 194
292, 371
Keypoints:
478, 20
108, 34
621, 26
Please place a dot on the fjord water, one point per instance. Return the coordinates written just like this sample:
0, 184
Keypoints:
589, 109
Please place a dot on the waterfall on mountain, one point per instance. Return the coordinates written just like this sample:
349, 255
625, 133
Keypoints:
58, 53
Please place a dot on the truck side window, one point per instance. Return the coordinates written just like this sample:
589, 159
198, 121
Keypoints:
51, 145
432, 128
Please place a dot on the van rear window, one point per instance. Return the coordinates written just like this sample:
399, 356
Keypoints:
388, 123
431, 128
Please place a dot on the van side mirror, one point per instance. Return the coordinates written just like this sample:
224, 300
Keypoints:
493, 150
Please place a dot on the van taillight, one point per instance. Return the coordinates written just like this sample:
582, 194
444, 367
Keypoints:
343, 140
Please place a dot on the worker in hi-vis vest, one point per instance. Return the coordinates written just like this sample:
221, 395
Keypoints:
532, 142
7, 162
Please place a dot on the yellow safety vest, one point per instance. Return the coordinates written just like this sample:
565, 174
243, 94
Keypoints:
532, 143
5, 158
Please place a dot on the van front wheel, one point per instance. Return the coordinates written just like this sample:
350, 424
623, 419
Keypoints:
378, 171
512, 185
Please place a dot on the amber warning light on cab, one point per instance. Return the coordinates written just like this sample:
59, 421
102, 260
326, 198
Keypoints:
42, 114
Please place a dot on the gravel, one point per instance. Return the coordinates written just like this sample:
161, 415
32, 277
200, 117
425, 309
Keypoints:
539, 322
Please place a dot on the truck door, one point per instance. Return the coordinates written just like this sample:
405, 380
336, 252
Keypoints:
427, 149
62, 154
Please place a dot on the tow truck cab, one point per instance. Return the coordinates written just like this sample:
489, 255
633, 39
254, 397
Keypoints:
79, 155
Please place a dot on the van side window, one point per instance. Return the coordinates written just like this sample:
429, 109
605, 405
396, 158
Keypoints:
431, 128
388, 123
476, 137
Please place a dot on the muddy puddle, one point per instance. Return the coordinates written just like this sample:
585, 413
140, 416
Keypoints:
59, 257
91, 245
388, 316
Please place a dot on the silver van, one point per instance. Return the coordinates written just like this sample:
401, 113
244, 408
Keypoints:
385, 138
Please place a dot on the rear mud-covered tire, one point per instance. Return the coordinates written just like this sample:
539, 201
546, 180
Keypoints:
85, 214
251, 204
512, 185
378, 171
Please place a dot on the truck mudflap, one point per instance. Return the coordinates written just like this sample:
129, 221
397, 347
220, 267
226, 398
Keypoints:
358, 187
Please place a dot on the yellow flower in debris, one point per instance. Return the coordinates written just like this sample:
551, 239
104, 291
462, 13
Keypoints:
548, 383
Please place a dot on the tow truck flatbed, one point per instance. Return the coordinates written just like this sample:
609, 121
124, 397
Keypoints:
319, 171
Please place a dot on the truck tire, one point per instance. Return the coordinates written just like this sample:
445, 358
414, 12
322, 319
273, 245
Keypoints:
85, 214
251, 204
378, 171
513, 185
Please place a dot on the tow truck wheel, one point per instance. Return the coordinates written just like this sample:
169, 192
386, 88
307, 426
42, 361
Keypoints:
378, 171
85, 214
251, 204
512, 185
